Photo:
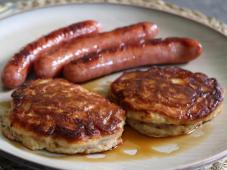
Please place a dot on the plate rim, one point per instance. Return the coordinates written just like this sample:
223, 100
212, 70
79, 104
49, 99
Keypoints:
193, 165
160, 5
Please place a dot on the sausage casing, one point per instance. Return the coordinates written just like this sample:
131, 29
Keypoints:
168, 51
53, 64
16, 70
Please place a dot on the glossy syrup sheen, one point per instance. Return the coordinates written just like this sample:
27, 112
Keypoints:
135, 146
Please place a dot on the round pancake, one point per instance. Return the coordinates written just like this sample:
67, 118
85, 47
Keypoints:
62, 117
167, 96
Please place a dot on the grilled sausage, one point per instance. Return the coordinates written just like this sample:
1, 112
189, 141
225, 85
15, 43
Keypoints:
53, 64
167, 51
16, 70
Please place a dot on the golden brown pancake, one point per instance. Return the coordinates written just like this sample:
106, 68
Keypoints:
164, 96
63, 117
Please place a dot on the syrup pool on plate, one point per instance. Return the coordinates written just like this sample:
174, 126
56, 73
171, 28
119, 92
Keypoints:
137, 146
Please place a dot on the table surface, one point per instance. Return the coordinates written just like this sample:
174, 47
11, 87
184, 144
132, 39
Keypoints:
212, 8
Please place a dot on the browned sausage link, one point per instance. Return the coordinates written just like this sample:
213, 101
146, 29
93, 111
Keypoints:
16, 70
167, 51
51, 65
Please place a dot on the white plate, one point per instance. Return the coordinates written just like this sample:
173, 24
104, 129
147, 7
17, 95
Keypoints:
18, 30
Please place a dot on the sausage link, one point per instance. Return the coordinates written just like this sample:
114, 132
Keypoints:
168, 51
53, 64
16, 70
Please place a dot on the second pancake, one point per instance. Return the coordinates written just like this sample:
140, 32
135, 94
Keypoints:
167, 101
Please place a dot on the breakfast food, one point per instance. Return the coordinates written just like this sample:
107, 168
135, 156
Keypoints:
156, 51
16, 70
167, 101
62, 117
51, 65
